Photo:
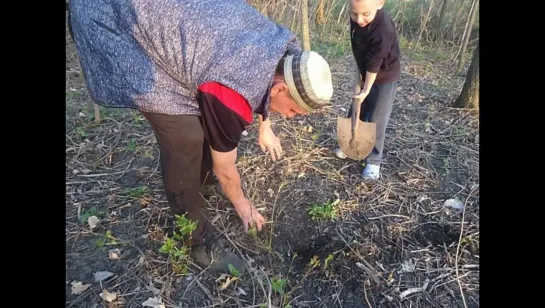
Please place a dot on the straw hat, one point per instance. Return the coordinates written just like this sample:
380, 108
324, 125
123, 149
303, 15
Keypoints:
308, 77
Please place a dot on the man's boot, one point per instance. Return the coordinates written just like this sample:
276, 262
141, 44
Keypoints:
216, 255
206, 249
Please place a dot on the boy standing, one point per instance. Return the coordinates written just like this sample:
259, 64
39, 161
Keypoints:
376, 51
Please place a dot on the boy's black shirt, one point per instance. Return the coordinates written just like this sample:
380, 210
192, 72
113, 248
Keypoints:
376, 48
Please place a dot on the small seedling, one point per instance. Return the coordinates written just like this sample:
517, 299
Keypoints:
147, 153
81, 131
138, 119
106, 240
233, 270
137, 192
314, 263
253, 231
327, 260
131, 146
327, 211
326, 264
278, 285
174, 247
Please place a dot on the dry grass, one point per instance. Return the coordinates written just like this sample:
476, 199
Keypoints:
393, 244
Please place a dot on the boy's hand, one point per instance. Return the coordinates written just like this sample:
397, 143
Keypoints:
361, 96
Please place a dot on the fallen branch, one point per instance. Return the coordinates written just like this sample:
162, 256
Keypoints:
204, 289
414, 290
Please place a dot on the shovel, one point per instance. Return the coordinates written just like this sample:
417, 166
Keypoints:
355, 137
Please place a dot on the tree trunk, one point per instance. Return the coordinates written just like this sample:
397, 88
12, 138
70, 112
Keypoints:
469, 96
467, 31
424, 20
320, 16
438, 34
304, 24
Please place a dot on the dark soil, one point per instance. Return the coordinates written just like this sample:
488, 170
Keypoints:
389, 236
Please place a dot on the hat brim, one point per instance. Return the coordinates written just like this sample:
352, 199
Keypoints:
288, 77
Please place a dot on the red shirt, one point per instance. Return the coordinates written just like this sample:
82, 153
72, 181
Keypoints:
225, 115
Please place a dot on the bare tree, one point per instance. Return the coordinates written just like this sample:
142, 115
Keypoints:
469, 96
304, 24
320, 16
424, 20
466, 35
439, 24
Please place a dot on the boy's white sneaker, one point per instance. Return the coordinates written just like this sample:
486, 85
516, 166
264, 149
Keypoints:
371, 172
339, 153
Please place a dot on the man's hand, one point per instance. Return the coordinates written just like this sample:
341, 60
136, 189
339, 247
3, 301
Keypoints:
225, 169
249, 215
268, 141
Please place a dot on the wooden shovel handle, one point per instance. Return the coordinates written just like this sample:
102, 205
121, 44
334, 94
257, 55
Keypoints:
356, 108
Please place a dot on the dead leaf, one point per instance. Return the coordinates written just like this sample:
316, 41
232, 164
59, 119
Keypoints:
222, 276
144, 201
240, 291
153, 302
78, 287
228, 282
103, 275
93, 222
107, 296
113, 254
454, 203
270, 192
407, 267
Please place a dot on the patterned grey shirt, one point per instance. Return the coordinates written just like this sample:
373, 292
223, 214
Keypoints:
152, 55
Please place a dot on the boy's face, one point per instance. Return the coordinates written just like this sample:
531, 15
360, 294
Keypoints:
363, 12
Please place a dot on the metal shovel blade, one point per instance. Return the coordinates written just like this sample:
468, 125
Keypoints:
364, 138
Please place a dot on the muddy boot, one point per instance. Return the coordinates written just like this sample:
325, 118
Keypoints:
216, 255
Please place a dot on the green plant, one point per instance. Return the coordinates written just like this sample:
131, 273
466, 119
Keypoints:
278, 285
327, 211
174, 247
131, 146
137, 192
233, 271
137, 119
106, 239
326, 264
81, 131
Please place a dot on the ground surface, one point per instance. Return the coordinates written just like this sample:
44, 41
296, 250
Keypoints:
393, 243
